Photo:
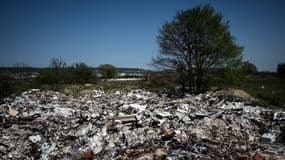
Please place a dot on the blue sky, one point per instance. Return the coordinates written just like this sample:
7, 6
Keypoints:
123, 32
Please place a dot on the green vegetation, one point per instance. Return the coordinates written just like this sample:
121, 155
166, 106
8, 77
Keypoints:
196, 41
267, 88
248, 68
59, 73
157, 81
108, 71
82, 74
56, 77
5, 85
9, 85
281, 70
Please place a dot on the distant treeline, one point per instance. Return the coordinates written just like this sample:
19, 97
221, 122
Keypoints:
96, 69
56, 75
19, 69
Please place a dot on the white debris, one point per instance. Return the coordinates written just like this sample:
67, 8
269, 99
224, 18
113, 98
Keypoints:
35, 139
125, 79
136, 125
163, 114
138, 107
84, 130
55, 98
98, 93
96, 144
35, 90
279, 116
268, 137
63, 111
46, 149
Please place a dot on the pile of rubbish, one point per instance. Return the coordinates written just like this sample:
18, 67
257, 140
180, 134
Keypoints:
138, 125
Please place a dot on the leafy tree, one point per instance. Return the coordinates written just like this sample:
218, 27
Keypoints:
281, 70
82, 73
249, 68
230, 75
107, 71
196, 41
234, 74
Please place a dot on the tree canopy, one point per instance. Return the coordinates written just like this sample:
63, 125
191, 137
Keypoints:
249, 68
195, 41
81, 73
108, 71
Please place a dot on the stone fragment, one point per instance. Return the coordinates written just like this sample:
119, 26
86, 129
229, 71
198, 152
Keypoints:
13, 112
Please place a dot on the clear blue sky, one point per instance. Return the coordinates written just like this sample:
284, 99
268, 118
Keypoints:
123, 32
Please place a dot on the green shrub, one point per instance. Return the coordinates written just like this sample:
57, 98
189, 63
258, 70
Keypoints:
59, 73
232, 75
281, 70
82, 73
5, 86
108, 71
248, 68
47, 76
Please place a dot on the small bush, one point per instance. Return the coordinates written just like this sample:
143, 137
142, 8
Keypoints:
108, 71
248, 68
5, 86
82, 73
47, 76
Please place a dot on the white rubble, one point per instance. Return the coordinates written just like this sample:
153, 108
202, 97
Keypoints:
136, 125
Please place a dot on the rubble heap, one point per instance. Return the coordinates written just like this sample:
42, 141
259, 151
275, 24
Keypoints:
137, 125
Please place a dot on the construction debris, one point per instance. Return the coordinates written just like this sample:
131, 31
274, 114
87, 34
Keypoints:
137, 125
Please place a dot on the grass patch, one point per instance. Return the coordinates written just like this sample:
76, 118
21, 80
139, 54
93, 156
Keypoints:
269, 90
